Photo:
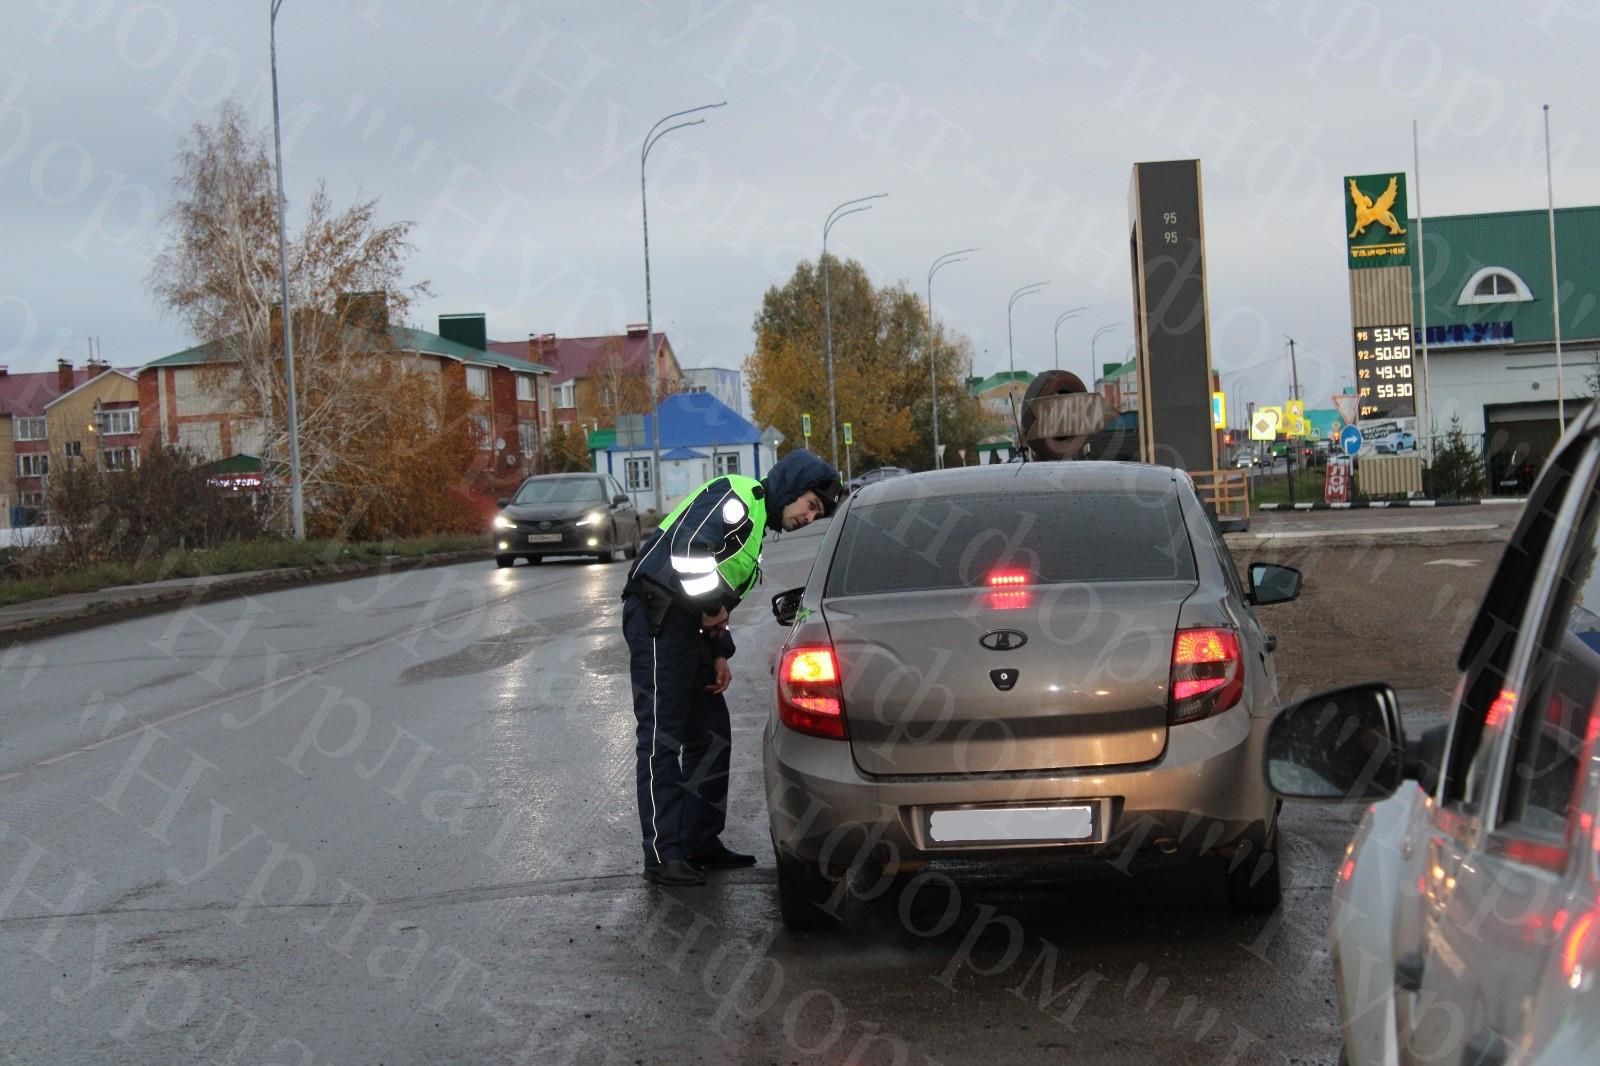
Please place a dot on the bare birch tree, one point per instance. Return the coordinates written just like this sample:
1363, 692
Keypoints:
217, 271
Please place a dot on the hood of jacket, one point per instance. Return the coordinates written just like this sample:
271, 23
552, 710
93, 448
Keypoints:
790, 477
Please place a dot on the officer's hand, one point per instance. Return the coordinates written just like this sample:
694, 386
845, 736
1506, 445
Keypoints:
712, 621
724, 677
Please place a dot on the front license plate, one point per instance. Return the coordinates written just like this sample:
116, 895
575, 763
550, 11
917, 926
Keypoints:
544, 538
1012, 824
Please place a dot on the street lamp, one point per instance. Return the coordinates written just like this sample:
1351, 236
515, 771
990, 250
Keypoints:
933, 362
1062, 317
650, 140
1094, 366
297, 503
827, 306
1011, 354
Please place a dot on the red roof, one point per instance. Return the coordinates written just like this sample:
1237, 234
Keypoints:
24, 395
577, 357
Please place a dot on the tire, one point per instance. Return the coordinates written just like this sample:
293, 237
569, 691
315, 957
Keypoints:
504, 562
1253, 875
802, 890
534, 560
1049, 383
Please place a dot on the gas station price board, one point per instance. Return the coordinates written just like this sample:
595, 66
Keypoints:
1385, 372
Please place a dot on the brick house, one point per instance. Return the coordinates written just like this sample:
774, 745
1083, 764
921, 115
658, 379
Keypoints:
177, 408
583, 369
69, 415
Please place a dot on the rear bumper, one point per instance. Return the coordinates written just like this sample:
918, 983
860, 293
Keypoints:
1204, 793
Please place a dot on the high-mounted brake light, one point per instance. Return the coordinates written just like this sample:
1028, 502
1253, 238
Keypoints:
809, 696
1008, 589
1207, 674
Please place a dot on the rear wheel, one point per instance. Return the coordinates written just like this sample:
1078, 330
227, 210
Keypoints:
1253, 874
802, 891
504, 561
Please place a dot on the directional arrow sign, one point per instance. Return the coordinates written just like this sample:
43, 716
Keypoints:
1350, 440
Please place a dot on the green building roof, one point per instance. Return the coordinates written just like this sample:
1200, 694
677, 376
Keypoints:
977, 386
402, 338
1458, 246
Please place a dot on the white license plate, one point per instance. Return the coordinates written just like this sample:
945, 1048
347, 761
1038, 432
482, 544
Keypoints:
1010, 824
544, 538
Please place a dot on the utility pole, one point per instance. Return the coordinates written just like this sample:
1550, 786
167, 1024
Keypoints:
1294, 367
297, 500
1555, 278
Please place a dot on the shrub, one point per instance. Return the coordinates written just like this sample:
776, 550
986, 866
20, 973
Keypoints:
1457, 466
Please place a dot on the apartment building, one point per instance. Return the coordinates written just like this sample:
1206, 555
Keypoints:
58, 418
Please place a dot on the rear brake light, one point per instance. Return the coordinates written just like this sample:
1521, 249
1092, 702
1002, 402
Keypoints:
1207, 674
1008, 589
809, 697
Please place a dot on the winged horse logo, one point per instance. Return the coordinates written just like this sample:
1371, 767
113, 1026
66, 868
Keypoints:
1369, 211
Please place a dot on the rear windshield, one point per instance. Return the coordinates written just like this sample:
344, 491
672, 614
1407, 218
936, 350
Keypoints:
561, 490
1051, 537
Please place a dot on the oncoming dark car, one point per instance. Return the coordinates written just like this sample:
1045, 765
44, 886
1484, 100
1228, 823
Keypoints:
1035, 660
566, 514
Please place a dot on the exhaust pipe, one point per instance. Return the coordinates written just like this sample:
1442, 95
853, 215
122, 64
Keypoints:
1167, 845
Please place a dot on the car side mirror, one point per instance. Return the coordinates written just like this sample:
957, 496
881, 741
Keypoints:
502, 502
1344, 745
619, 499
786, 605
1271, 583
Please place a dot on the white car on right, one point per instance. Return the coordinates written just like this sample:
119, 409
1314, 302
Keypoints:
1466, 912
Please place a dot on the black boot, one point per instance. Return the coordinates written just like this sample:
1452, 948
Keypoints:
716, 856
674, 872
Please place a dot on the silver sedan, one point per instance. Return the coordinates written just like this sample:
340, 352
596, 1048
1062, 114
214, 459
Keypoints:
1034, 660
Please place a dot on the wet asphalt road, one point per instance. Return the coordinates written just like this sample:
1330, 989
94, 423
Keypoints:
392, 820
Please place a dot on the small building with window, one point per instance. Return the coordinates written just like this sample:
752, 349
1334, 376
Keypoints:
1490, 338
701, 438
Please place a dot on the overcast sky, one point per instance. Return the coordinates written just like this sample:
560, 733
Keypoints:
509, 130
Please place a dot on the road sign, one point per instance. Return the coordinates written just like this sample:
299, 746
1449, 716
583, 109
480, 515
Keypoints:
805, 425
1336, 481
1294, 418
1350, 440
1219, 410
1264, 425
848, 439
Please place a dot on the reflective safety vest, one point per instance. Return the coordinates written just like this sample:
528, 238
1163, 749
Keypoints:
711, 542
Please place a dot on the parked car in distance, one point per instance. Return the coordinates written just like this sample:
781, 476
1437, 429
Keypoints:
1092, 681
566, 514
1466, 914
872, 477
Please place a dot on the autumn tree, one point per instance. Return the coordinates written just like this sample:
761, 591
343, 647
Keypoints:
569, 450
217, 272
881, 352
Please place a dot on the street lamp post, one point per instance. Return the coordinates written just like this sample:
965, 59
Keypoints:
650, 139
933, 362
297, 502
855, 206
1064, 316
1011, 353
1094, 366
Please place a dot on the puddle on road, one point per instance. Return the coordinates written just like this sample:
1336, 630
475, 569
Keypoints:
492, 653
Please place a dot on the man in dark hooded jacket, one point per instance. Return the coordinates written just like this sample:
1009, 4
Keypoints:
690, 573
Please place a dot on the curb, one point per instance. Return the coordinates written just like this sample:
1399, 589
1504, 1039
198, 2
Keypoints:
156, 601
1362, 504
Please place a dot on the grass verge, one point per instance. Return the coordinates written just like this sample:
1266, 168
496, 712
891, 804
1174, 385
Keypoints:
235, 557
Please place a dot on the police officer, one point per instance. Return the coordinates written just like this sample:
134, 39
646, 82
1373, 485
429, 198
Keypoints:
694, 569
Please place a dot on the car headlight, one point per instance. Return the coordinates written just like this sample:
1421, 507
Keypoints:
502, 522
593, 518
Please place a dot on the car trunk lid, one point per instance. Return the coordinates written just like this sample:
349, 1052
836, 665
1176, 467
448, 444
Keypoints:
1030, 677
